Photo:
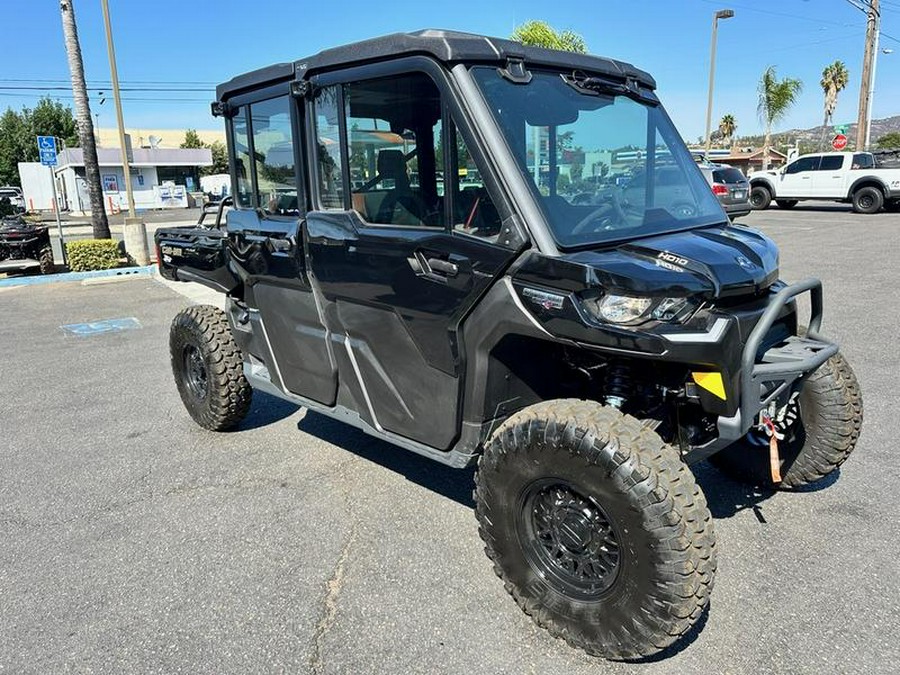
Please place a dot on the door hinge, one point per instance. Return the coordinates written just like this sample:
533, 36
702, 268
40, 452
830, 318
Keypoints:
301, 88
221, 109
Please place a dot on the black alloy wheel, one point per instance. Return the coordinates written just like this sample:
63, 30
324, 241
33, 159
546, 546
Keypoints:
568, 539
195, 377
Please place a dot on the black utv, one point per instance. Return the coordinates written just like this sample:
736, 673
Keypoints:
25, 247
501, 255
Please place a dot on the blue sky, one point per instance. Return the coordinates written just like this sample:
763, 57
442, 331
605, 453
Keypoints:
194, 45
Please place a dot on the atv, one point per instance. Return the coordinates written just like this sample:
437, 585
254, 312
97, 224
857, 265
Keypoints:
25, 247
410, 250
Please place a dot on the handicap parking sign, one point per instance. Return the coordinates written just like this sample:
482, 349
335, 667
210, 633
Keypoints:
47, 150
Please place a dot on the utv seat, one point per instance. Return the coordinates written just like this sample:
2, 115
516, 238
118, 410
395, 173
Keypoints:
401, 205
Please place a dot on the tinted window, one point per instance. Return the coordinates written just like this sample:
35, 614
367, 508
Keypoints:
394, 133
863, 161
831, 163
728, 176
273, 148
241, 135
473, 211
804, 164
328, 148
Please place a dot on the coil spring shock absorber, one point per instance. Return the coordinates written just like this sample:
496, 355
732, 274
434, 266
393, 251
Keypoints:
618, 384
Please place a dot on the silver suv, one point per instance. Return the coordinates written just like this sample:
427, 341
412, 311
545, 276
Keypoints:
730, 186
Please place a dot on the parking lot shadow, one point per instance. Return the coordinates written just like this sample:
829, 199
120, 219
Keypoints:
726, 496
266, 409
455, 484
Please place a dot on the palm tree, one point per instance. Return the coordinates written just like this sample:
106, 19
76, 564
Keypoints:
727, 127
834, 79
541, 34
84, 120
775, 99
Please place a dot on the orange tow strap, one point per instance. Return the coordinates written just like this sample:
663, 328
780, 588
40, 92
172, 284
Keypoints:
774, 459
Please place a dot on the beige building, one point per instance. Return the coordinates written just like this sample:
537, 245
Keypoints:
168, 138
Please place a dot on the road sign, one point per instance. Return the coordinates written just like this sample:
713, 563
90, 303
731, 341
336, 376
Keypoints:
47, 150
841, 128
839, 142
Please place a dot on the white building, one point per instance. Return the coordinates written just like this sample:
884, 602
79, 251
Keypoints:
160, 178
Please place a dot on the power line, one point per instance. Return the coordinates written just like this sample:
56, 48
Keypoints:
92, 83
130, 98
60, 88
748, 8
793, 47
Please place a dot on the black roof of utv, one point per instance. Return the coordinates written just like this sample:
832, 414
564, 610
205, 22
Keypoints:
446, 46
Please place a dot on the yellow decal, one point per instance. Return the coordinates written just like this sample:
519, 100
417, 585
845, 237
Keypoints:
712, 382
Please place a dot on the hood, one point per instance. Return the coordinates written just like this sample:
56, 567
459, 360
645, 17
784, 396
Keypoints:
712, 262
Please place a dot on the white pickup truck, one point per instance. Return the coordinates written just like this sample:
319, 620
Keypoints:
850, 177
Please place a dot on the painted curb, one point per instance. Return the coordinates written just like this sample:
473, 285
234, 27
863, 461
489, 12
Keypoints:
69, 277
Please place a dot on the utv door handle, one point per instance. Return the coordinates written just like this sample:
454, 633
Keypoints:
444, 267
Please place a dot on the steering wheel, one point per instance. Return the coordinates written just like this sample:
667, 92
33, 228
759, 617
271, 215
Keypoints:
613, 208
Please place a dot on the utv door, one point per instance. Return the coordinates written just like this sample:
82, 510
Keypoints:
405, 240
265, 241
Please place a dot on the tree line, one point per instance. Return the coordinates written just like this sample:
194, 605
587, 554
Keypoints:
19, 130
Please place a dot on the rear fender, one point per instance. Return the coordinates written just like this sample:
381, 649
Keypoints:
196, 254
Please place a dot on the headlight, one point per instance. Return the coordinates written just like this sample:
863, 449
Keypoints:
622, 308
626, 309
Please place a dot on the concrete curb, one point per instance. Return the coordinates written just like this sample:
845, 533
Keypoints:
69, 277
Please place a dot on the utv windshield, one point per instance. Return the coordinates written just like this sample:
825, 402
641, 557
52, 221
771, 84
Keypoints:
605, 163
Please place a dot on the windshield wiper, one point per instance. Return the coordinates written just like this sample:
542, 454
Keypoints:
598, 85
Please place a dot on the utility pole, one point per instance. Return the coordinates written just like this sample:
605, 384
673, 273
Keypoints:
863, 121
114, 75
134, 231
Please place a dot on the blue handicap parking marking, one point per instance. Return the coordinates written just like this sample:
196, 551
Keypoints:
98, 327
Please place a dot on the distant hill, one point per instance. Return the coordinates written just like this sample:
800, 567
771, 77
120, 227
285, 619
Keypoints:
808, 139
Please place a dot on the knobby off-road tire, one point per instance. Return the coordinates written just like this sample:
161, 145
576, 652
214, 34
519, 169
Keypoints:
47, 264
760, 197
208, 368
596, 527
828, 427
868, 200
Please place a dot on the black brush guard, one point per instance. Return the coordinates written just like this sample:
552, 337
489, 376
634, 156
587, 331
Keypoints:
766, 377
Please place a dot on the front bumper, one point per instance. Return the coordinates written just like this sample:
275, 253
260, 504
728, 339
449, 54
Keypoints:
771, 375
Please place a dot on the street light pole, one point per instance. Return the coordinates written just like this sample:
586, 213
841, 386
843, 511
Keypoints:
114, 76
720, 14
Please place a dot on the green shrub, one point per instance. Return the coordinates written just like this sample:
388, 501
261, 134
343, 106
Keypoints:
86, 255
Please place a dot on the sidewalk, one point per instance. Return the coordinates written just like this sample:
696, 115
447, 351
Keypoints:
156, 216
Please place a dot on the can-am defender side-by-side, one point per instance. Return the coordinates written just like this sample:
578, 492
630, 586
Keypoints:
496, 254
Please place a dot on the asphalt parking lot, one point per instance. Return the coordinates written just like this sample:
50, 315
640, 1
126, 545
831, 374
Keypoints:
134, 541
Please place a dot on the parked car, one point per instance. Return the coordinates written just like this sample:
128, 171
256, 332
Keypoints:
852, 177
16, 200
582, 355
730, 186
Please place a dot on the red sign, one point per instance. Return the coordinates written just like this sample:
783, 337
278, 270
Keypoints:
839, 142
